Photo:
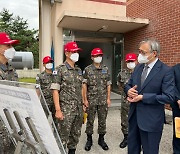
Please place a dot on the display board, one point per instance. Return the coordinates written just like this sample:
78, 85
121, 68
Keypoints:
25, 101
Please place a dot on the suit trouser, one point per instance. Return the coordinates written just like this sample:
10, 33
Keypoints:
137, 138
176, 141
102, 111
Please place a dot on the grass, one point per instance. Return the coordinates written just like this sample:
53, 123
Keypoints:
28, 80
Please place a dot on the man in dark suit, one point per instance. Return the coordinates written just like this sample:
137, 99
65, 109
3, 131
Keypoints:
176, 107
149, 88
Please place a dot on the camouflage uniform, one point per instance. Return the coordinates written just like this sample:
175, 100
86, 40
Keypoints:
68, 81
44, 80
97, 80
123, 78
6, 73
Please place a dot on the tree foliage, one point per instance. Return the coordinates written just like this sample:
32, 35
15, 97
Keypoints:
18, 29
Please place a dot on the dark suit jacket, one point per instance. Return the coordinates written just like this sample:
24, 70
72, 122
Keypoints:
176, 69
157, 90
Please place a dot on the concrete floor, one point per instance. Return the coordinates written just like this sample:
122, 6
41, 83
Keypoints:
114, 136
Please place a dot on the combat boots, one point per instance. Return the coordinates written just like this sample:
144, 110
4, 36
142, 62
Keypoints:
71, 151
123, 144
102, 143
88, 143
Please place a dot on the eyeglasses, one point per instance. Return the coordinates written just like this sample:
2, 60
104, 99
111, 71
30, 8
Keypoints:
142, 52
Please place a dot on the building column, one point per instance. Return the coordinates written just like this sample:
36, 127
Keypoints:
57, 33
45, 36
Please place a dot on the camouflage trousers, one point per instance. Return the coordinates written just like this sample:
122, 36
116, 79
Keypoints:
102, 111
70, 130
124, 116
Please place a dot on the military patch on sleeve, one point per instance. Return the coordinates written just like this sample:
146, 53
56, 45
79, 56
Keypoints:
37, 86
104, 71
80, 72
54, 72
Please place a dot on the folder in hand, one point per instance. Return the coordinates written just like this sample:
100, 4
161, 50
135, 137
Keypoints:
177, 126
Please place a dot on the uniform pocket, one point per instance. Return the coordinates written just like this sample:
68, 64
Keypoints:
92, 79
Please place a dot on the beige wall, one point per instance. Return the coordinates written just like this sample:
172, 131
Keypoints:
91, 7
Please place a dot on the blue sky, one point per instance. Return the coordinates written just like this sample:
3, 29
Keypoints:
27, 9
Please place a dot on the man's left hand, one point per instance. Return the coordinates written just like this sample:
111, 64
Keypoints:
135, 99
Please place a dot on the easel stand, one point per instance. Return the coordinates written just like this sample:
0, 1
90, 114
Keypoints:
22, 137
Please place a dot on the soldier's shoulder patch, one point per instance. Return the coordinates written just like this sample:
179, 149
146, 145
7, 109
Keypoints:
37, 86
54, 72
37, 78
79, 72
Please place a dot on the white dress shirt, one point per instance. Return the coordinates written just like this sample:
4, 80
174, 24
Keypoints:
151, 66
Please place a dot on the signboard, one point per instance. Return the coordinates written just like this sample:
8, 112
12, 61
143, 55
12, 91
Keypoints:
26, 102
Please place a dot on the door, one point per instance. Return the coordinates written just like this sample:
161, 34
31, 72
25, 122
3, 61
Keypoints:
117, 58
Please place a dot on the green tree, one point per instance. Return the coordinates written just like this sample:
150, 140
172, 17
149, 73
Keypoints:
18, 28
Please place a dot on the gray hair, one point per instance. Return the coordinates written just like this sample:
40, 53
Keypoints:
153, 45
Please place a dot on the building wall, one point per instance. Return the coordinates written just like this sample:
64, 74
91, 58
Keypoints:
164, 25
93, 6
51, 13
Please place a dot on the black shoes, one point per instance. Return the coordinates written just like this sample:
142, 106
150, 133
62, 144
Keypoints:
123, 144
88, 143
102, 143
71, 151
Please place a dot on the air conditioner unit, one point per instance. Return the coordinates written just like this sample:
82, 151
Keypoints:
52, 1
60, 1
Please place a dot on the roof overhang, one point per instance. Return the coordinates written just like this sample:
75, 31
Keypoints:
96, 22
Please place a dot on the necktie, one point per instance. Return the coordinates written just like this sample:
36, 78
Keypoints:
144, 74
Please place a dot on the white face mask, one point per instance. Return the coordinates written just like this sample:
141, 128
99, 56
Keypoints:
131, 65
142, 59
74, 57
9, 53
49, 66
98, 59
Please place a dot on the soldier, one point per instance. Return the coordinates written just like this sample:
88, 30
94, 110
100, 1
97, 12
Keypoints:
67, 95
96, 92
7, 72
123, 77
45, 80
